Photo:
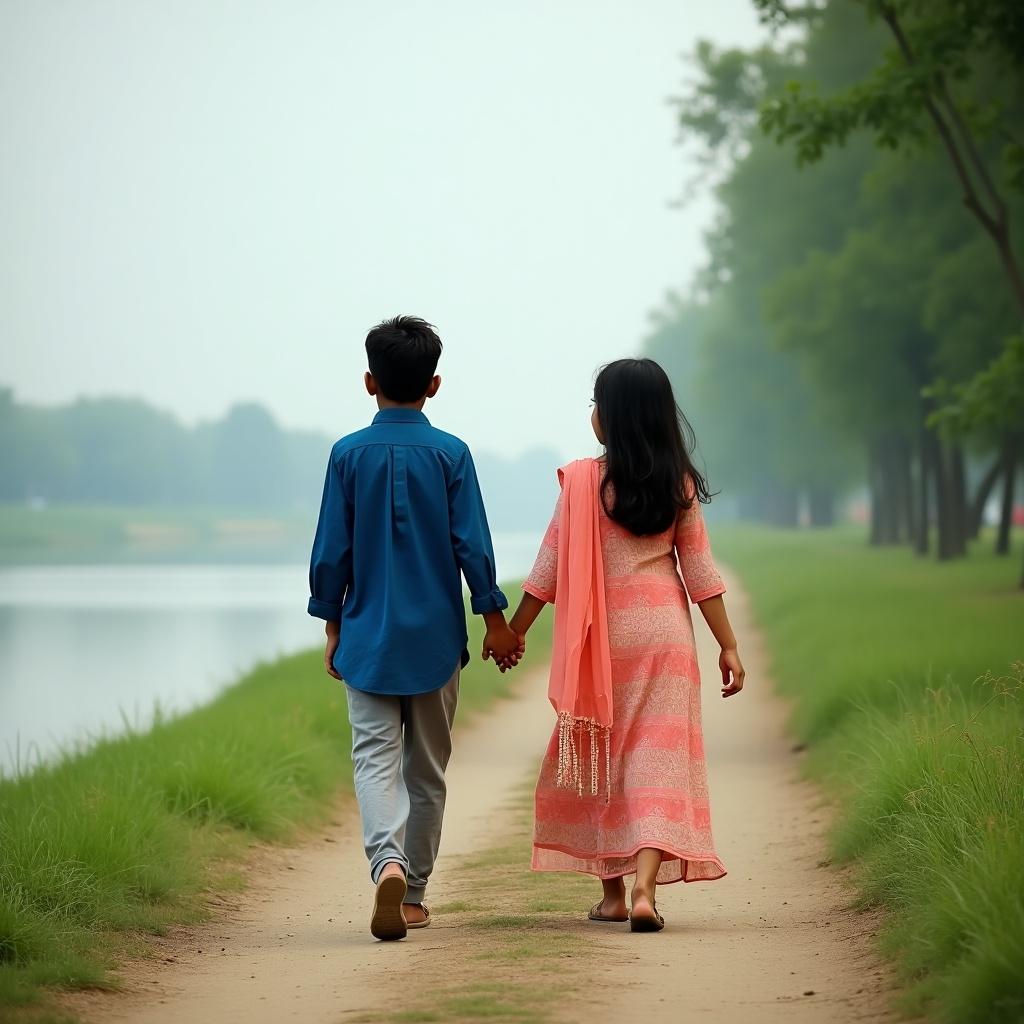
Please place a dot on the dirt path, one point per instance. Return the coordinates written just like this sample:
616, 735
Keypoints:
771, 942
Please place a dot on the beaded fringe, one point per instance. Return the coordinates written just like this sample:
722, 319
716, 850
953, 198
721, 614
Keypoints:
572, 734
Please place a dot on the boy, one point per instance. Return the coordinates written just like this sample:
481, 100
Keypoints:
401, 518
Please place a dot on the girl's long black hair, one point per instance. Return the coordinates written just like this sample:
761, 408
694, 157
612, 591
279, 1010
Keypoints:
649, 443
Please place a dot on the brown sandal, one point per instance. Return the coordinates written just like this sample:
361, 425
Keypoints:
646, 923
420, 924
596, 915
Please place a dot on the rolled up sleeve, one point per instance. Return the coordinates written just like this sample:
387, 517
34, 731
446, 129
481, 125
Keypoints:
471, 538
330, 564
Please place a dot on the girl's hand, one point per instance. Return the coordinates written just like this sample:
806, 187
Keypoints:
501, 644
733, 672
511, 662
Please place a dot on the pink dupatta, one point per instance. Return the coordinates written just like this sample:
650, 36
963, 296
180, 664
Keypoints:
580, 688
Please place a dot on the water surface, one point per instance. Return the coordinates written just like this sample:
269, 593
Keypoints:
85, 650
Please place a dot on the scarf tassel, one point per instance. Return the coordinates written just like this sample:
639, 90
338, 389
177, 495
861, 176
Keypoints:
573, 748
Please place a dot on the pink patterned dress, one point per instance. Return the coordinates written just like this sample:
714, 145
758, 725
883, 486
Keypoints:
659, 791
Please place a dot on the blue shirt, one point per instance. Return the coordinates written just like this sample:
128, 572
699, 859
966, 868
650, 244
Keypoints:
402, 516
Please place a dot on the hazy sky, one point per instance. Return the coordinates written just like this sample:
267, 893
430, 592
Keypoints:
204, 202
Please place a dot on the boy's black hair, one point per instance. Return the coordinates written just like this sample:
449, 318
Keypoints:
403, 354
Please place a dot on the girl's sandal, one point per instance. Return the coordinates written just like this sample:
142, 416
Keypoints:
596, 915
646, 923
420, 924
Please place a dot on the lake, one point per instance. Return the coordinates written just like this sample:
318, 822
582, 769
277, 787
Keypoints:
88, 650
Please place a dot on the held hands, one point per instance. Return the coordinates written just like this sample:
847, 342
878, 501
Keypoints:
502, 644
504, 664
733, 672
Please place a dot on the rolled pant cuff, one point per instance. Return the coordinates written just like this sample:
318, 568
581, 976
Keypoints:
415, 894
380, 863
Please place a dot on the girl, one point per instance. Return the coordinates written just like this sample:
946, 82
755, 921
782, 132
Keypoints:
623, 786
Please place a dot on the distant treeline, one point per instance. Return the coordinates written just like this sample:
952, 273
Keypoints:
123, 451
858, 321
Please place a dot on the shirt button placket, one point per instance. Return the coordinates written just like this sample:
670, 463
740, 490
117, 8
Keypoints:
401, 486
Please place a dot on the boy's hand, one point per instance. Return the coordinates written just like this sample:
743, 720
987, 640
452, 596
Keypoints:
333, 630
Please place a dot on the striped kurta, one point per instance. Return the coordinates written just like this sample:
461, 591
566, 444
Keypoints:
659, 792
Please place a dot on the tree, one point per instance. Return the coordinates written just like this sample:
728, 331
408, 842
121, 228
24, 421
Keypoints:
863, 270
123, 451
777, 441
940, 49
990, 405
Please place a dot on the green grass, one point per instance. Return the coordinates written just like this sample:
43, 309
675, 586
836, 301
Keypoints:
77, 534
908, 687
128, 837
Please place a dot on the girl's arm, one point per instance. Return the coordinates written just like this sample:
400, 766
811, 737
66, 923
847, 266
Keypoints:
715, 615
526, 615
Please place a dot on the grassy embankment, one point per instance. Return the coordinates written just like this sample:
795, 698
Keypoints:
78, 534
128, 837
908, 688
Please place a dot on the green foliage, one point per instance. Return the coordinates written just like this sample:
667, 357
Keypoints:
990, 404
951, 76
883, 627
123, 451
114, 452
933, 823
121, 840
907, 685
935, 45
759, 413
835, 294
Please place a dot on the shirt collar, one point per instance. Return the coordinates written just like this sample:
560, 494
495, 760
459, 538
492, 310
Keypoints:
400, 416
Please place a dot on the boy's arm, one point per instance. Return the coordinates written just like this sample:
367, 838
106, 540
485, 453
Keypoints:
471, 538
474, 555
330, 565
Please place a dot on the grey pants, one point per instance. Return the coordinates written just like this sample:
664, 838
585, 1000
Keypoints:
400, 749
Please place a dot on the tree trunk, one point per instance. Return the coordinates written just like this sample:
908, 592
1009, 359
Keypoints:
785, 509
876, 487
943, 503
821, 506
958, 497
981, 496
904, 489
890, 490
772, 504
950, 503
1009, 462
922, 522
